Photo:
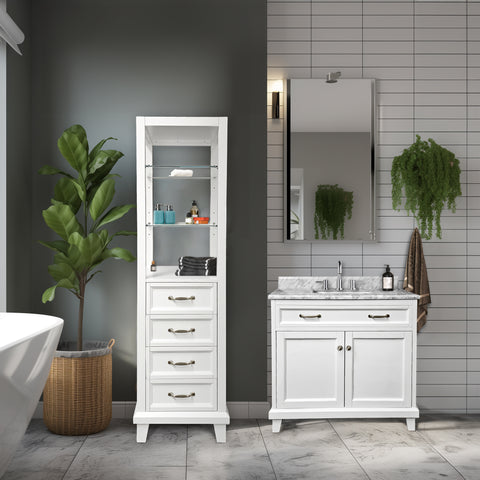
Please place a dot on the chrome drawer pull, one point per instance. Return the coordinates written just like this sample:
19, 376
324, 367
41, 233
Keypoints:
301, 315
340, 348
379, 316
349, 347
181, 364
181, 396
172, 330
191, 297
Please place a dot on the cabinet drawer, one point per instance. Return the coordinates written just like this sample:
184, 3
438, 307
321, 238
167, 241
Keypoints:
182, 362
181, 298
185, 330
188, 395
318, 316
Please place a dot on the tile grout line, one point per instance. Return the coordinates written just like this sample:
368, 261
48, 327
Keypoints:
75, 457
438, 452
266, 449
349, 451
186, 455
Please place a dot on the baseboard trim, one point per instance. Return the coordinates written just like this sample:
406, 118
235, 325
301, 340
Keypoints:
237, 410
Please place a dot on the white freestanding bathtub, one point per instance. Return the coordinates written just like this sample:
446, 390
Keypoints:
27, 345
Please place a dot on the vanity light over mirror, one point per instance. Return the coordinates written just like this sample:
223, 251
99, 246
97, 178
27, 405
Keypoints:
330, 160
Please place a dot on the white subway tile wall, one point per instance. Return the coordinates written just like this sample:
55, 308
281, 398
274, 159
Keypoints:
425, 56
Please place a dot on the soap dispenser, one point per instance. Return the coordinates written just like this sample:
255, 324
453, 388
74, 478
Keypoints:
158, 217
194, 210
170, 215
387, 280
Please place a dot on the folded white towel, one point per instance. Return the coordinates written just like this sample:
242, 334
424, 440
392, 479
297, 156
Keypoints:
181, 173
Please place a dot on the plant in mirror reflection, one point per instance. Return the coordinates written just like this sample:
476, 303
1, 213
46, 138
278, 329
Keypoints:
79, 214
332, 206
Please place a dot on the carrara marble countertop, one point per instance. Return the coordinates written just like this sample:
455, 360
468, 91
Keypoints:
309, 288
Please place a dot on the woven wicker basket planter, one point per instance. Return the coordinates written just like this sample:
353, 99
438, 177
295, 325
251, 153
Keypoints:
77, 398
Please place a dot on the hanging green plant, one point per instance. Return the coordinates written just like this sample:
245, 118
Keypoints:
429, 174
332, 205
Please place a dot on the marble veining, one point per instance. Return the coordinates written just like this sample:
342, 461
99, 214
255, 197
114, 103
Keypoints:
309, 288
443, 447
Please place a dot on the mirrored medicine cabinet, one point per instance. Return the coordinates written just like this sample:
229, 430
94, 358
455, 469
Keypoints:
330, 160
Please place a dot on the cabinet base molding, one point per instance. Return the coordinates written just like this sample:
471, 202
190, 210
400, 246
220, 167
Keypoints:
219, 420
278, 414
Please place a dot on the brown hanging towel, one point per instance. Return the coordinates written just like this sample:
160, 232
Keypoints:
416, 278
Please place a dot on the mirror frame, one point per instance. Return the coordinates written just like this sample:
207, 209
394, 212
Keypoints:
287, 164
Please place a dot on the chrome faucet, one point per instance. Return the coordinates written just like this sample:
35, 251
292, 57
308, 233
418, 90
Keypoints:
339, 277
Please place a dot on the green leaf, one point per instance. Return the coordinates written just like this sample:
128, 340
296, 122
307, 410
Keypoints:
63, 271
102, 199
49, 294
98, 161
62, 220
65, 192
96, 149
91, 248
73, 258
47, 170
103, 171
114, 214
124, 233
80, 189
74, 147
57, 245
120, 253
103, 234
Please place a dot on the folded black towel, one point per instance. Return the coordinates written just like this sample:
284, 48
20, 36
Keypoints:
185, 271
197, 262
199, 266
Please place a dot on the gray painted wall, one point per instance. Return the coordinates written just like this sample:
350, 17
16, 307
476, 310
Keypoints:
101, 65
19, 188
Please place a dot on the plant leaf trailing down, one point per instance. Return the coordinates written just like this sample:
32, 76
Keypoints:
429, 175
79, 211
332, 205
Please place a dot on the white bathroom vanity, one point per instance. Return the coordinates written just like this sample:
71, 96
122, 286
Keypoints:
342, 354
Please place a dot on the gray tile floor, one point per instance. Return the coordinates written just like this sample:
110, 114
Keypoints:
443, 447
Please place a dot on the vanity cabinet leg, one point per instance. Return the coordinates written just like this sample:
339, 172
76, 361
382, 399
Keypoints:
220, 432
276, 426
142, 432
411, 424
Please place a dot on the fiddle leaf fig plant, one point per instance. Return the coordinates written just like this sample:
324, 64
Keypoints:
79, 212
332, 205
429, 175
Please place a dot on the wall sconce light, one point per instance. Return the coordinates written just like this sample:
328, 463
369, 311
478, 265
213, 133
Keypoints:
275, 104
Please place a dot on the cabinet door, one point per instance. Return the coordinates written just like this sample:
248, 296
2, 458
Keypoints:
378, 369
310, 369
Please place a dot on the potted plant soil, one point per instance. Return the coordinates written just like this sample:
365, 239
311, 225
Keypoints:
77, 399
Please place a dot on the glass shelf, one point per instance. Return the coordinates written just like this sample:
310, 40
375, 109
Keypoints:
181, 167
182, 224
179, 177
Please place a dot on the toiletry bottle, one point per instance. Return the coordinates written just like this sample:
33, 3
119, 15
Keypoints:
194, 210
158, 214
170, 215
387, 280
188, 218
153, 266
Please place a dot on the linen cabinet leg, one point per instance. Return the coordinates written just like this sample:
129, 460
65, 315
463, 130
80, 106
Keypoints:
142, 432
220, 433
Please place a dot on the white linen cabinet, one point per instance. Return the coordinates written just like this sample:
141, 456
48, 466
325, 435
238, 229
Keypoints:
181, 340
